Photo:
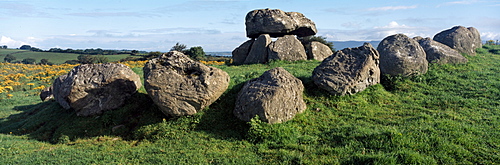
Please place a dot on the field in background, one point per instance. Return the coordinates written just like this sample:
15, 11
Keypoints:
448, 116
56, 58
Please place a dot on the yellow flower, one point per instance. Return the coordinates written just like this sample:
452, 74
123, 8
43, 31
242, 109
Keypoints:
40, 87
30, 84
9, 87
9, 95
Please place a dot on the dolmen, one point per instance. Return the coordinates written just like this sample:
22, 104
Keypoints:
264, 24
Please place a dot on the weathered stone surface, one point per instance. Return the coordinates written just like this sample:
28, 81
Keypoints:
318, 51
181, 86
46, 93
287, 48
258, 52
401, 55
278, 23
91, 89
348, 71
240, 53
464, 40
440, 53
275, 97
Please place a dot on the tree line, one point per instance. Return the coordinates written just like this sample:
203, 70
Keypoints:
91, 51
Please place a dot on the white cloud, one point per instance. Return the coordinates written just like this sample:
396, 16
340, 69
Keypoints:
386, 8
11, 43
463, 2
490, 36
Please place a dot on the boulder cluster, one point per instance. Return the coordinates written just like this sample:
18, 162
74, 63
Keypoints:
180, 86
401, 55
264, 24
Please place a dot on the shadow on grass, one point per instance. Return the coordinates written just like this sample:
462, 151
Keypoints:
49, 122
219, 120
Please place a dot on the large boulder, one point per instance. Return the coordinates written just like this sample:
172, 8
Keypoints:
318, 51
241, 52
348, 71
464, 40
287, 48
258, 51
401, 55
91, 89
437, 52
275, 96
181, 86
278, 23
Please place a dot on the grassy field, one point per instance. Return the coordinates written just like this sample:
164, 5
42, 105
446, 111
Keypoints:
56, 58
448, 116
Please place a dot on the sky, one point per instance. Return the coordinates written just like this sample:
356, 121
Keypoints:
219, 25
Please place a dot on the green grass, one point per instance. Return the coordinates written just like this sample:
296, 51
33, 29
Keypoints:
448, 116
56, 58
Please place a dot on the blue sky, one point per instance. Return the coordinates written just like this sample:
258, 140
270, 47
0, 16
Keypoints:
218, 25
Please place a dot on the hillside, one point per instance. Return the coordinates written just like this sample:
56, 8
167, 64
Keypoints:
450, 115
56, 58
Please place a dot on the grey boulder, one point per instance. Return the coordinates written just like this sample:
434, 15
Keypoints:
348, 71
91, 89
180, 86
241, 52
258, 50
464, 40
275, 96
287, 48
318, 51
401, 55
440, 53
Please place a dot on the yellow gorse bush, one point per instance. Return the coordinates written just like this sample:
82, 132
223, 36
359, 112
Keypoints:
213, 62
26, 77
134, 64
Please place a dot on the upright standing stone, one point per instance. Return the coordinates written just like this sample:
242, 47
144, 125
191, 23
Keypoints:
348, 71
318, 51
401, 55
258, 52
240, 54
287, 48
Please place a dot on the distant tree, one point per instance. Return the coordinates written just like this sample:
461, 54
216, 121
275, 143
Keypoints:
100, 59
9, 58
25, 47
55, 50
4, 47
490, 42
308, 39
36, 49
152, 55
28, 61
86, 59
45, 62
72, 62
196, 53
134, 52
179, 47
